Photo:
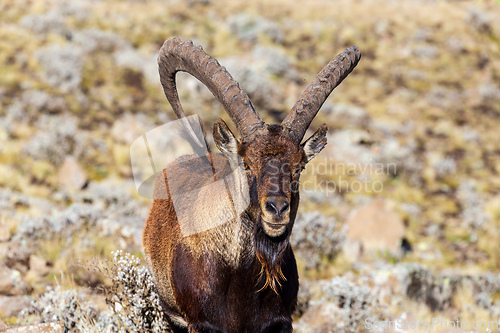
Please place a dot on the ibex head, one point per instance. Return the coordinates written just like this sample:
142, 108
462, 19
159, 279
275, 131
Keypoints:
272, 160
272, 156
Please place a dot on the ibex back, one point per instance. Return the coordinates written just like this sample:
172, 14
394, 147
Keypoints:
239, 276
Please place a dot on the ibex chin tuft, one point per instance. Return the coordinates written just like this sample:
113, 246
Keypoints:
240, 276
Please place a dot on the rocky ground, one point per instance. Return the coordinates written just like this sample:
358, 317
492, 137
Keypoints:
400, 214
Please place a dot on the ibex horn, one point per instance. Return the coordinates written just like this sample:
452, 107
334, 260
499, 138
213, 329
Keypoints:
177, 55
311, 100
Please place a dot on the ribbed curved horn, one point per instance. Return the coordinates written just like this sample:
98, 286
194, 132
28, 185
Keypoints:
311, 100
176, 55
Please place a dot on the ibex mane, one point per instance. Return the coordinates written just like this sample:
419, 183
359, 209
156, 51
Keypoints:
240, 276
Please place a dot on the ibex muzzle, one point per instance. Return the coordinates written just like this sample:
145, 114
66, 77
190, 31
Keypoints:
240, 276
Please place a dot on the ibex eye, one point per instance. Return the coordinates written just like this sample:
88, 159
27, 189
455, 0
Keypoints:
245, 166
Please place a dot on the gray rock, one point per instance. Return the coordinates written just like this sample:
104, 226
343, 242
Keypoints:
373, 229
71, 176
14, 255
12, 305
38, 266
11, 283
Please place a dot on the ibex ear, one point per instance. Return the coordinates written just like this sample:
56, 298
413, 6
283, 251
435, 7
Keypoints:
315, 143
225, 139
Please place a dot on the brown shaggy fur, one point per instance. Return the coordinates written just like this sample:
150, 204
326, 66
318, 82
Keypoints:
239, 276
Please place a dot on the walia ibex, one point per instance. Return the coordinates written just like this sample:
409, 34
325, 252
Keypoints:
241, 275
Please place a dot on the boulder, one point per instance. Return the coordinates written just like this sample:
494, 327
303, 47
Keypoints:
373, 229
11, 283
38, 265
12, 305
71, 176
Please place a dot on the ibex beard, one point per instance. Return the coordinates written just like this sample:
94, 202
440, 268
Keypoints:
239, 276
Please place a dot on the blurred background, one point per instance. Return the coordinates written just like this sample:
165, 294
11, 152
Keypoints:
400, 218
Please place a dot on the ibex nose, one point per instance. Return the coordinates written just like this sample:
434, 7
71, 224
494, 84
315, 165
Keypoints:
277, 205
